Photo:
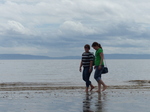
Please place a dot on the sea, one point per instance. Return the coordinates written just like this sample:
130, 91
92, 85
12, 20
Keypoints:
66, 72
128, 84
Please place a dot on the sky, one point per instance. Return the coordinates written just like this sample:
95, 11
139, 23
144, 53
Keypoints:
59, 28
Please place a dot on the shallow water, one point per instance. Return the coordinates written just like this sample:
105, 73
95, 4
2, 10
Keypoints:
65, 72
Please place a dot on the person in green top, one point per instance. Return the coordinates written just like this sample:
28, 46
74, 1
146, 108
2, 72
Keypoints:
99, 65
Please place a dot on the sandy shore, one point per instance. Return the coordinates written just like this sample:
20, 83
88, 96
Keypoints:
24, 86
43, 97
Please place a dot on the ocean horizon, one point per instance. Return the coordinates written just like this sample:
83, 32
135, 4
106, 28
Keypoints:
107, 56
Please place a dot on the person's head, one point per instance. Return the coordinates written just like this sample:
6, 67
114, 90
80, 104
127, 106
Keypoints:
87, 48
96, 45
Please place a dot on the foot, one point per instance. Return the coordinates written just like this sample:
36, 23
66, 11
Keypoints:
104, 88
98, 91
92, 87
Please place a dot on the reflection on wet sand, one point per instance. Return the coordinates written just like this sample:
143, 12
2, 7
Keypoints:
75, 100
87, 103
94, 102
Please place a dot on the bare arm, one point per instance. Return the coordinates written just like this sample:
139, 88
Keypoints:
80, 68
91, 64
102, 58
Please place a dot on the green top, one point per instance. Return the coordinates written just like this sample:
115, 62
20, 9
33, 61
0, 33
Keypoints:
97, 57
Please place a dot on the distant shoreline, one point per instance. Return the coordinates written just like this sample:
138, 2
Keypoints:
37, 57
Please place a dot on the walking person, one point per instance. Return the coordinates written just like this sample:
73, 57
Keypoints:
87, 63
99, 65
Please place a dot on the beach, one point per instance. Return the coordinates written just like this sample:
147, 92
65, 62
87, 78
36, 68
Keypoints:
42, 86
36, 97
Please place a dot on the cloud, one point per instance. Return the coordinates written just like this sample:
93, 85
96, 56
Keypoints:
23, 50
66, 25
76, 28
14, 27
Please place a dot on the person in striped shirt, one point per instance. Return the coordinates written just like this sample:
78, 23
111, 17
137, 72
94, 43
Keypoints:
87, 63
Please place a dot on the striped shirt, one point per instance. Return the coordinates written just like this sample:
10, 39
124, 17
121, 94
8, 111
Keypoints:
86, 58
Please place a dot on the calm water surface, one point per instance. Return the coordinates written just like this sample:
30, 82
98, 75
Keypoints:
66, 72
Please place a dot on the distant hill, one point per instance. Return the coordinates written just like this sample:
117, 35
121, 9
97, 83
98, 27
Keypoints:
118, 56
107, 56
127, 56
21, 56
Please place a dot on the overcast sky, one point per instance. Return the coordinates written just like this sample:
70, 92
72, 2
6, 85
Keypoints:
63, 27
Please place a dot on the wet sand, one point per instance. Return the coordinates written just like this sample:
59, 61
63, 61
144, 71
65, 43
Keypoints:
24, 86
47, 97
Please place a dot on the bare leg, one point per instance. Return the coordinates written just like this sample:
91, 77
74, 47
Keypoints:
104, 85
92, 87
100, 82
99, 87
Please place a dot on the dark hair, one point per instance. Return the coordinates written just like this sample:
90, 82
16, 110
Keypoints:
87, 46
96, 44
